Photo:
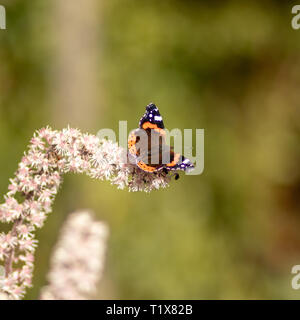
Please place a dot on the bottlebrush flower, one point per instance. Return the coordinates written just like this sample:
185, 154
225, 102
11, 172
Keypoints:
78, 259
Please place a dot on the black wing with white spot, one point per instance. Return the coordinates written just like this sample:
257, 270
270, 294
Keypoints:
183, 164
153, 116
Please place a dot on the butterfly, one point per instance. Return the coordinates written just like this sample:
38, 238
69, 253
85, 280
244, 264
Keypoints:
148, 146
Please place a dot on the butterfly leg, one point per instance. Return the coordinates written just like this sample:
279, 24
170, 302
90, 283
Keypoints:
175, 174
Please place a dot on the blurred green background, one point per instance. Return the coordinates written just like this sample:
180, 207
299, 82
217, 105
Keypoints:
230, 67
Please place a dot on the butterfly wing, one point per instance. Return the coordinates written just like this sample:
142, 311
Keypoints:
179, 162
152, 119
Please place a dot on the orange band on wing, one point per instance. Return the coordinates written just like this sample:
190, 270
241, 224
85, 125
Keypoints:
175, 161
131, 144
145, 167
149, 125
133, 150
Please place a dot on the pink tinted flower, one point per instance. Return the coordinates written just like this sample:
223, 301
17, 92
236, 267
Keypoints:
37, 142
28, 244
13, 187
24, 231
78, 259
28, 259
8, 240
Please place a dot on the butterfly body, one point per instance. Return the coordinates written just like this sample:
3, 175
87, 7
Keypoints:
147, 145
